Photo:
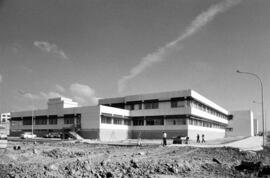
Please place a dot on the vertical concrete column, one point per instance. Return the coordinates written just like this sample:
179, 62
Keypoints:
144, 121
164, 120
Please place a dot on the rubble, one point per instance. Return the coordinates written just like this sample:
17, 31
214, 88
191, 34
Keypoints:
64, 159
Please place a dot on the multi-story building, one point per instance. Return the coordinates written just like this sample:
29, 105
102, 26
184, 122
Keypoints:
185, 113
4, 123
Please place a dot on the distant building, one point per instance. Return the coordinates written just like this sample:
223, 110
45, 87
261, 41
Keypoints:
242, 124
5, 117
185, 113
4, 123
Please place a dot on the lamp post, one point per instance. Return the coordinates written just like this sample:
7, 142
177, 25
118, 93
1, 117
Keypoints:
23, 93
256, 76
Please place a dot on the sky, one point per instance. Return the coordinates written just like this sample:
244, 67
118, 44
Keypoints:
92, 49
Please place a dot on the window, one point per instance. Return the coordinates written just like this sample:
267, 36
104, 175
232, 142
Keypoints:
68, 120
155, 121
178, 104
106, 119
41, 120
138, 121
53, 120
117, 121
27, 121
127, 122
151, 104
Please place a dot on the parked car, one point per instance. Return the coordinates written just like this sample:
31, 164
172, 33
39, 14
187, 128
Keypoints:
53, 135
27, 135
177, 140
3, 136
180, 140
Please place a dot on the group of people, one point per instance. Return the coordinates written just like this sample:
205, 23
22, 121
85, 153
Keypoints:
198, 139
164, 138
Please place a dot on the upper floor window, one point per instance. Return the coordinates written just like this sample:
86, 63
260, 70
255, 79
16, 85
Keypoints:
106, 119
177, 104
151, 104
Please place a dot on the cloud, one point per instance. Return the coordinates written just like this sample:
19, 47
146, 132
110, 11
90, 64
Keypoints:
50, 95
39, 96
50, 48
83, 94
60, 88
200, 21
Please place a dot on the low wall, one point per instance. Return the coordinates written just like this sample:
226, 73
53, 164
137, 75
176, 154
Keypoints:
89, 133
114, 134
157, 134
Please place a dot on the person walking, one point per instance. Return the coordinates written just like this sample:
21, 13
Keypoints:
164, 137
203, 141
198, 138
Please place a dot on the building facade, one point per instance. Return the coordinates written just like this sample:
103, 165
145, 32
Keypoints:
185, 113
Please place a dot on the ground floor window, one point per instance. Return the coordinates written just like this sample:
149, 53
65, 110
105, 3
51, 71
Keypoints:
127, 122
41, 121
138, 121
117, 121
27, 121
177, 121
53, 120
154, 121
68, 120
197, 122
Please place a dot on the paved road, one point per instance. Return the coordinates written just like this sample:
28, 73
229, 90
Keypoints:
249, 143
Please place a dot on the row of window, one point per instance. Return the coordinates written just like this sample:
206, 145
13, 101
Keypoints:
175, 103
197, 122
205, 108
114, 120
158, 121
44, 121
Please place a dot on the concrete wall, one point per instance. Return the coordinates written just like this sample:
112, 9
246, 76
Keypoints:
241, 124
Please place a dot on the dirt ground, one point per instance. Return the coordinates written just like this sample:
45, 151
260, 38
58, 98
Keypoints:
75, 159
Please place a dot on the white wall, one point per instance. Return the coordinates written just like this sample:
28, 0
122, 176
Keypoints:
242, 123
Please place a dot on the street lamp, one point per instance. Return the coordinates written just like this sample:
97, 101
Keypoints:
23, 93
256, 76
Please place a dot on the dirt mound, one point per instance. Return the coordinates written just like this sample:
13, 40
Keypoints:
62, 153
93, 160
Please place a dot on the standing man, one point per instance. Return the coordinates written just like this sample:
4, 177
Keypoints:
164, 137
198, 138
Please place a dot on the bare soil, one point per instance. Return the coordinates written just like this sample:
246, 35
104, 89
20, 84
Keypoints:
75, 159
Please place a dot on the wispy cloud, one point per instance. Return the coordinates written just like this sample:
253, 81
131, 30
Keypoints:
83, 94
60, 88
50, 48
200, 21
39, 96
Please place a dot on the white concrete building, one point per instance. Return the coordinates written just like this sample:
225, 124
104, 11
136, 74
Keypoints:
242, 124
185, 113
4, 117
